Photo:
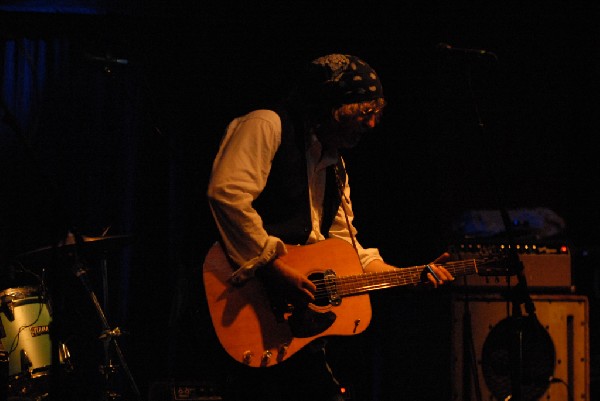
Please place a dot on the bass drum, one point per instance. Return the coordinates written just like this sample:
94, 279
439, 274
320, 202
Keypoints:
25, 329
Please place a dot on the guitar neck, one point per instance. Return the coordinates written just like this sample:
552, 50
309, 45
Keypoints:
366, 282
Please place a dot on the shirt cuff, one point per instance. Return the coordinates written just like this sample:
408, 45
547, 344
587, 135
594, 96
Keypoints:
367, 255
273, 248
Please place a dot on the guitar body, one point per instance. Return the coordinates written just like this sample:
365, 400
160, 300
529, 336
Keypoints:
255, 334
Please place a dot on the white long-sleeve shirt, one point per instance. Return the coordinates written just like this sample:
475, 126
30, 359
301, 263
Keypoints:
239, 174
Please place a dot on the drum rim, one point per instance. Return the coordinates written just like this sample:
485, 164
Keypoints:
24, 292
33, 374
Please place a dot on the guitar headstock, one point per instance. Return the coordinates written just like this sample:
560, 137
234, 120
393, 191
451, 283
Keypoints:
491, 260
499, 265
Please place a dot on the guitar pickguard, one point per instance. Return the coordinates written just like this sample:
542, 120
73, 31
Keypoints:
309, 323
310, 320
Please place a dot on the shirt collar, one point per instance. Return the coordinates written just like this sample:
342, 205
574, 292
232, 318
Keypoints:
322, 157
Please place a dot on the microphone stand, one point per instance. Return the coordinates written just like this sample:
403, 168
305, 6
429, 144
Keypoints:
520, 292
519, 295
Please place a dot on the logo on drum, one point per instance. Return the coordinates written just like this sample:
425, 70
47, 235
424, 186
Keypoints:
39, 330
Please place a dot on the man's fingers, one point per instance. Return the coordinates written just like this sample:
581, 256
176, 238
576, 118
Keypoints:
310, 286
442, 273
438, 274
309, 295
442, 258
433, 279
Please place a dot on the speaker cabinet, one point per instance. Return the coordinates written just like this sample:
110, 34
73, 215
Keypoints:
554, 344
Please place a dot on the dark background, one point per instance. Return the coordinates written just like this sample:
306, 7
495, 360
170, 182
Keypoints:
112, 114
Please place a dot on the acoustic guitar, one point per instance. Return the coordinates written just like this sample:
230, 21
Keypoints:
260, 329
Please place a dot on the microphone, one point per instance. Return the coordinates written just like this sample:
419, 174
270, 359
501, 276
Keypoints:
108, 59
478, 52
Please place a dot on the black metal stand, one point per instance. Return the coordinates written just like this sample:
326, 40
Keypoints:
68, 254
470, 373
518, 296
108, 336
520, 293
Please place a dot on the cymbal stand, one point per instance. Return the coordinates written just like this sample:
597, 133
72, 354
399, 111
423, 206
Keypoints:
108, 336
107, 369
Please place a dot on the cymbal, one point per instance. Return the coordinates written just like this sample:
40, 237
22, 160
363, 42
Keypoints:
86, 245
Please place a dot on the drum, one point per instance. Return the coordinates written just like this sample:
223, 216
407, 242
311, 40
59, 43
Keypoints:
25, 330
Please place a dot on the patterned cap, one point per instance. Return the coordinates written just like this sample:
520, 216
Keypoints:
345, 79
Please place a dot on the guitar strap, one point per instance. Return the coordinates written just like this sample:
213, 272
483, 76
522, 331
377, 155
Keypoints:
341, 184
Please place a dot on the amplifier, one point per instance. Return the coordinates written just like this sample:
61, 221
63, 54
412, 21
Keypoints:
546, 267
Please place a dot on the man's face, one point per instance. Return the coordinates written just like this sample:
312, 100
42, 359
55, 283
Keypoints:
347, 132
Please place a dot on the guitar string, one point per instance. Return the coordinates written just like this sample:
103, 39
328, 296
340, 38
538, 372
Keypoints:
360, 283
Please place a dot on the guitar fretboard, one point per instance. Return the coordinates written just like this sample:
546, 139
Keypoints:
344, 286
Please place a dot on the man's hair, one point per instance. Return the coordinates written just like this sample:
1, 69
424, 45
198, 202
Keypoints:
352, 110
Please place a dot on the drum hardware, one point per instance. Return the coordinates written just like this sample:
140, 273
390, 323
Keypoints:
109, 369
108, 335
74, 247
25, 362
86, 245
64, 357
3, 373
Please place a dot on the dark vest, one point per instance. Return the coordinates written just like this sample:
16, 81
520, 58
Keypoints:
284, 204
